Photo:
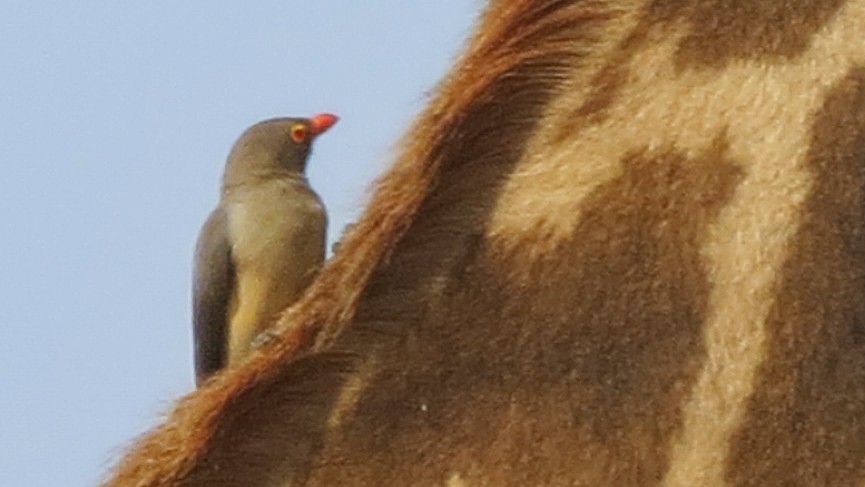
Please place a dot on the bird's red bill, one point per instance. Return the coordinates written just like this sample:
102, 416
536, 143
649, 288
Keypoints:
323, 121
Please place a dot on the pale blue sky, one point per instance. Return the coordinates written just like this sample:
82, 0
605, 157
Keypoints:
115, 120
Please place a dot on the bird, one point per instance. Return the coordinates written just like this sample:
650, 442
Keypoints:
262, 245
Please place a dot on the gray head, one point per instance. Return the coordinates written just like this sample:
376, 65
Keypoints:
278, 147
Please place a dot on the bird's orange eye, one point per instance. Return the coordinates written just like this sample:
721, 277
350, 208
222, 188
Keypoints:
299, 133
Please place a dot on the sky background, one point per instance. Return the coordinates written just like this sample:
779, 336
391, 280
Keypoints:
115, 121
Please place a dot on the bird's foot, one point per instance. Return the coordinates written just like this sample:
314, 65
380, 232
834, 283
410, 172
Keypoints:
264, 338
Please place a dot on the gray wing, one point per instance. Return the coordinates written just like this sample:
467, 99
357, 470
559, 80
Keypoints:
212, 284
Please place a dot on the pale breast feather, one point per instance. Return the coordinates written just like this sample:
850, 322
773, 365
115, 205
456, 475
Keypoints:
270, 218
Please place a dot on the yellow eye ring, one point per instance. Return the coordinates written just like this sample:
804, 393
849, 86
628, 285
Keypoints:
299, 133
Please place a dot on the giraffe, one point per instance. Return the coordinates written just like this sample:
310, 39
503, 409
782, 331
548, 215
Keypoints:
623, 245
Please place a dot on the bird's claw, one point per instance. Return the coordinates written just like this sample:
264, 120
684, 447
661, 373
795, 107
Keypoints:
264, 338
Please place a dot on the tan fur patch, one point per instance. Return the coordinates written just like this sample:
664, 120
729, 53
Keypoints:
351, 392
456, 480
